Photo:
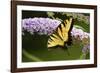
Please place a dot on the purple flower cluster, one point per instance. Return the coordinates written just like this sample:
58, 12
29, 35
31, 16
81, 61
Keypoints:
40, 25
84, 37
79, 33
86, 48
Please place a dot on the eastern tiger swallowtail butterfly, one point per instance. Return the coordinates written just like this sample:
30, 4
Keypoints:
61, 35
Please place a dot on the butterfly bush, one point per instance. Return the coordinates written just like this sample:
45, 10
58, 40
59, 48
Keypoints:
40, 25
85, 49
83, 36
79, 33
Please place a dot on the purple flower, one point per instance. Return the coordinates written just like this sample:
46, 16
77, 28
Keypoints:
86, 48
79, 33
40, 25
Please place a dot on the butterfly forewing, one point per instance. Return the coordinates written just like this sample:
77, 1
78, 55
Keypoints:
61, 34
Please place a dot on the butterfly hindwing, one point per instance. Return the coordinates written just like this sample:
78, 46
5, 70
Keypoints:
54, 40
61, 34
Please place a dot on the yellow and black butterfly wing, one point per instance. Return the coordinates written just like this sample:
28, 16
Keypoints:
55, 40
61, 34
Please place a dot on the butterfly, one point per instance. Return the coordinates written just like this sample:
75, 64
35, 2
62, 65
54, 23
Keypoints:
61, 36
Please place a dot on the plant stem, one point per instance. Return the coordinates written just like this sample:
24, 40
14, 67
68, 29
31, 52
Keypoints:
32, 57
